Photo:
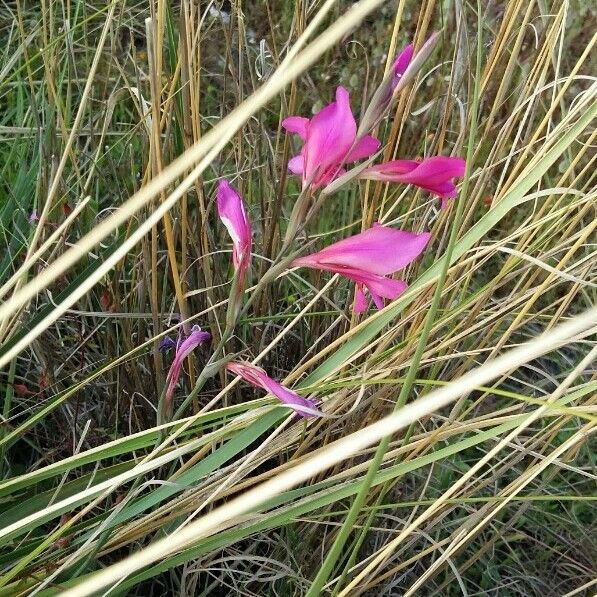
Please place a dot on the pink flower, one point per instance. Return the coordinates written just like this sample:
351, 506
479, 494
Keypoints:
329, 142
366, 259
259, 378
34, 217
231, 210
183, 350
434, 174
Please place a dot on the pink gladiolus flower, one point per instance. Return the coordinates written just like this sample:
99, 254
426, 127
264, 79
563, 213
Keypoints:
183, 350
329, 142
231, 210
366, 259
259, 378
434, 174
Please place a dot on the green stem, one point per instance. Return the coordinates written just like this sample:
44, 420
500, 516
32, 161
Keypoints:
297, 219
8, 396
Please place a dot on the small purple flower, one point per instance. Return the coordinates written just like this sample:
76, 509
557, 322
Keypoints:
183, 350
34, 216
166, 343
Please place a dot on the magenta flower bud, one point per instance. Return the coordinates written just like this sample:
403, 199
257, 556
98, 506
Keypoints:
435, 174
367, 258
406, 65
259, 378
329, 142
231, 210
183, 350
399, 67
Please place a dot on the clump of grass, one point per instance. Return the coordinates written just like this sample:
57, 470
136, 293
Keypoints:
116, 122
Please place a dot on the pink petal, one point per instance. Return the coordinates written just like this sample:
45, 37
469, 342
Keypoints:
296, 125
390, 170
446, 190
328, 176
445, 202
437, 169
402, 61
331, 133
258, 377
433, 174
231, 210
172, 379
377, 300
301, 405
195, 338
360, 300
366, 147
380, 250
379, 288
407, 65
296, 164
387, 288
